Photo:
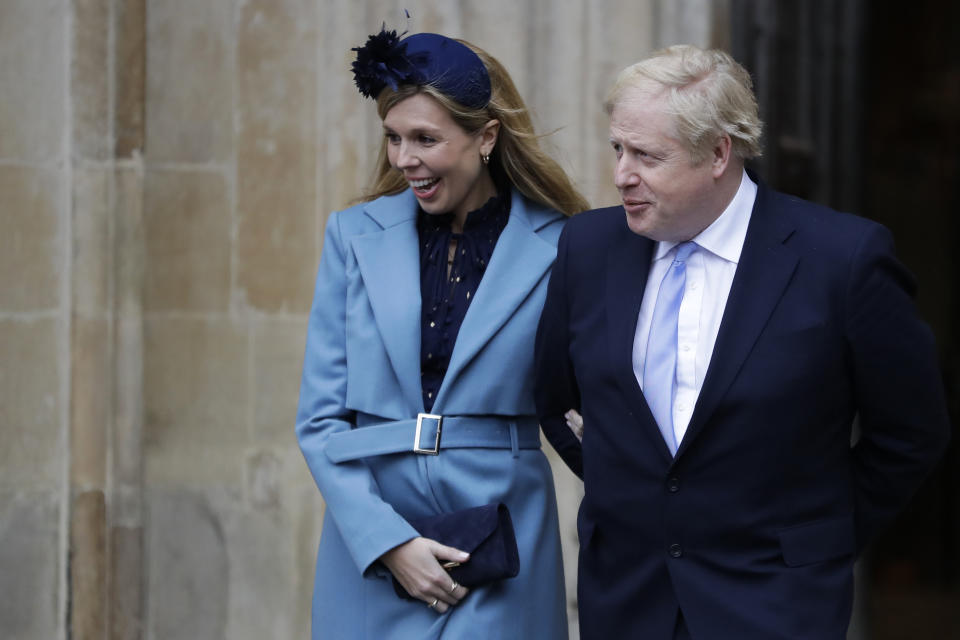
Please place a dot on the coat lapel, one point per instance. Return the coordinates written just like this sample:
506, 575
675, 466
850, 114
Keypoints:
628, 265
389, 263
520, 260
765, 268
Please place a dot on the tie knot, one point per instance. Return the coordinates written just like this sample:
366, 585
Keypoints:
684, 249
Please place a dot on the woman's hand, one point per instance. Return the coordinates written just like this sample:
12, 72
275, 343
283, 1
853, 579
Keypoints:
575, 422
417, 565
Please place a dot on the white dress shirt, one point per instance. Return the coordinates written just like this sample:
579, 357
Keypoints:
710, 271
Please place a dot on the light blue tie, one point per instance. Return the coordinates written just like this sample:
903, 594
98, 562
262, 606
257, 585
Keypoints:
660, 365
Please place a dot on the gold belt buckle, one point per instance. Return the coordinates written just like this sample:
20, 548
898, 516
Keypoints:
416, 438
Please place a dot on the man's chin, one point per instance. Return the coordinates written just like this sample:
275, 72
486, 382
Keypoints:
640, 224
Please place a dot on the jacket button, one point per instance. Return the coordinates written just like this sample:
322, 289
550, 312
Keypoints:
676, 550
673, 484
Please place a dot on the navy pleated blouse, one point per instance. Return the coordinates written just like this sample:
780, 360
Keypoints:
446, 298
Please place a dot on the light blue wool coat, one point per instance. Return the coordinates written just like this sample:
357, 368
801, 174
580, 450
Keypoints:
362, 366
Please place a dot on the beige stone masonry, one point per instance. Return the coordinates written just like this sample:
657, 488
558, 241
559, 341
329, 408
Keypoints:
33, 75
31, 252
277, 361
128, 286
30, 567
88, 565
187, 231
126, 583
126, 561
32, 455
90, 80
189, 84
89, 402
130, 72
276, 153
196, 400
91, 250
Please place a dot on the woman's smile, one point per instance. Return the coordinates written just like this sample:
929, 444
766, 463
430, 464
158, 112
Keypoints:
440, 161
425, 188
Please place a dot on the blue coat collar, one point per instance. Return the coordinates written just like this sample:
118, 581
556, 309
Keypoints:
389, 263
401, 208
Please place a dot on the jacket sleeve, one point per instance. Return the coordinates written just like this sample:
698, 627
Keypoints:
555, 386
904, 427
369, 525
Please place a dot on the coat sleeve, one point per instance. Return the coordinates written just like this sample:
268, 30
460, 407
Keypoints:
369, 525
904, 427
555, 386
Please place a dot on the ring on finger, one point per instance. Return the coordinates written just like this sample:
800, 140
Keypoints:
454, 587
433, 605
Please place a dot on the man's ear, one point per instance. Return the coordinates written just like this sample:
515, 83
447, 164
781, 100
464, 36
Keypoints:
489, 135
720, 155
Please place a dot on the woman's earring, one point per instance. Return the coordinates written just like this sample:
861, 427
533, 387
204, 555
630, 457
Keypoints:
485, 158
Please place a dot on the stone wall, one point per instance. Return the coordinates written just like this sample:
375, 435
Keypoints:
166, 169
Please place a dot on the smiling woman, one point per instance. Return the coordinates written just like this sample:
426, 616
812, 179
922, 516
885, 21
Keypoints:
516, 161
442, 163
424, 316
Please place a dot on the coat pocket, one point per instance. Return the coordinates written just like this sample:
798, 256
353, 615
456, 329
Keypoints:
817, 541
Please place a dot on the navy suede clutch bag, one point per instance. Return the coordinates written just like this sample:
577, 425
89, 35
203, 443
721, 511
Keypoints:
486, 533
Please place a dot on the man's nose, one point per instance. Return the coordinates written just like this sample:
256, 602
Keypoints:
625, 174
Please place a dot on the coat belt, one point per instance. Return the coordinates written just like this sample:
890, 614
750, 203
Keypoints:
397, 436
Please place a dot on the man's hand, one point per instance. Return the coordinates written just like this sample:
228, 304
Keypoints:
575, 422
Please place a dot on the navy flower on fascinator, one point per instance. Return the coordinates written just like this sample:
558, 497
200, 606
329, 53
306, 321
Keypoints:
421, 59
383, 61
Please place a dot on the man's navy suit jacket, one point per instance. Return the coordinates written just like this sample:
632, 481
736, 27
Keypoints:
753, 528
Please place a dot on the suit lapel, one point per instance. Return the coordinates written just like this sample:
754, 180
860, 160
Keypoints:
389, 263
765, 268
628, 265
520, 260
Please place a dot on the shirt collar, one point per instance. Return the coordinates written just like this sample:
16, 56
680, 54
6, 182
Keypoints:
725, 236
491, 215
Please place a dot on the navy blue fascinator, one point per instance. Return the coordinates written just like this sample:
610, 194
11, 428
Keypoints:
422, 59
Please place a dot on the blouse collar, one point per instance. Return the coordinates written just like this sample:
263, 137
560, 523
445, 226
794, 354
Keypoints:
492, 215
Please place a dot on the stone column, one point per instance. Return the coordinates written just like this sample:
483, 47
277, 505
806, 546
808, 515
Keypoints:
89, 264
126, 482
106, 363
34, 317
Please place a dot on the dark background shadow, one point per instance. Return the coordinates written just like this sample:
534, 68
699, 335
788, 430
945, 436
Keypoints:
861, 105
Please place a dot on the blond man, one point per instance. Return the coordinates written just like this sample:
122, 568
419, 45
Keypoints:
719, 339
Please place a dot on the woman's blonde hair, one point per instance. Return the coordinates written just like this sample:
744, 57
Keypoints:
708, 93
517, 157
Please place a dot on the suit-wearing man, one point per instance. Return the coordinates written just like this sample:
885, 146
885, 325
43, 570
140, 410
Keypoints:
719, 339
